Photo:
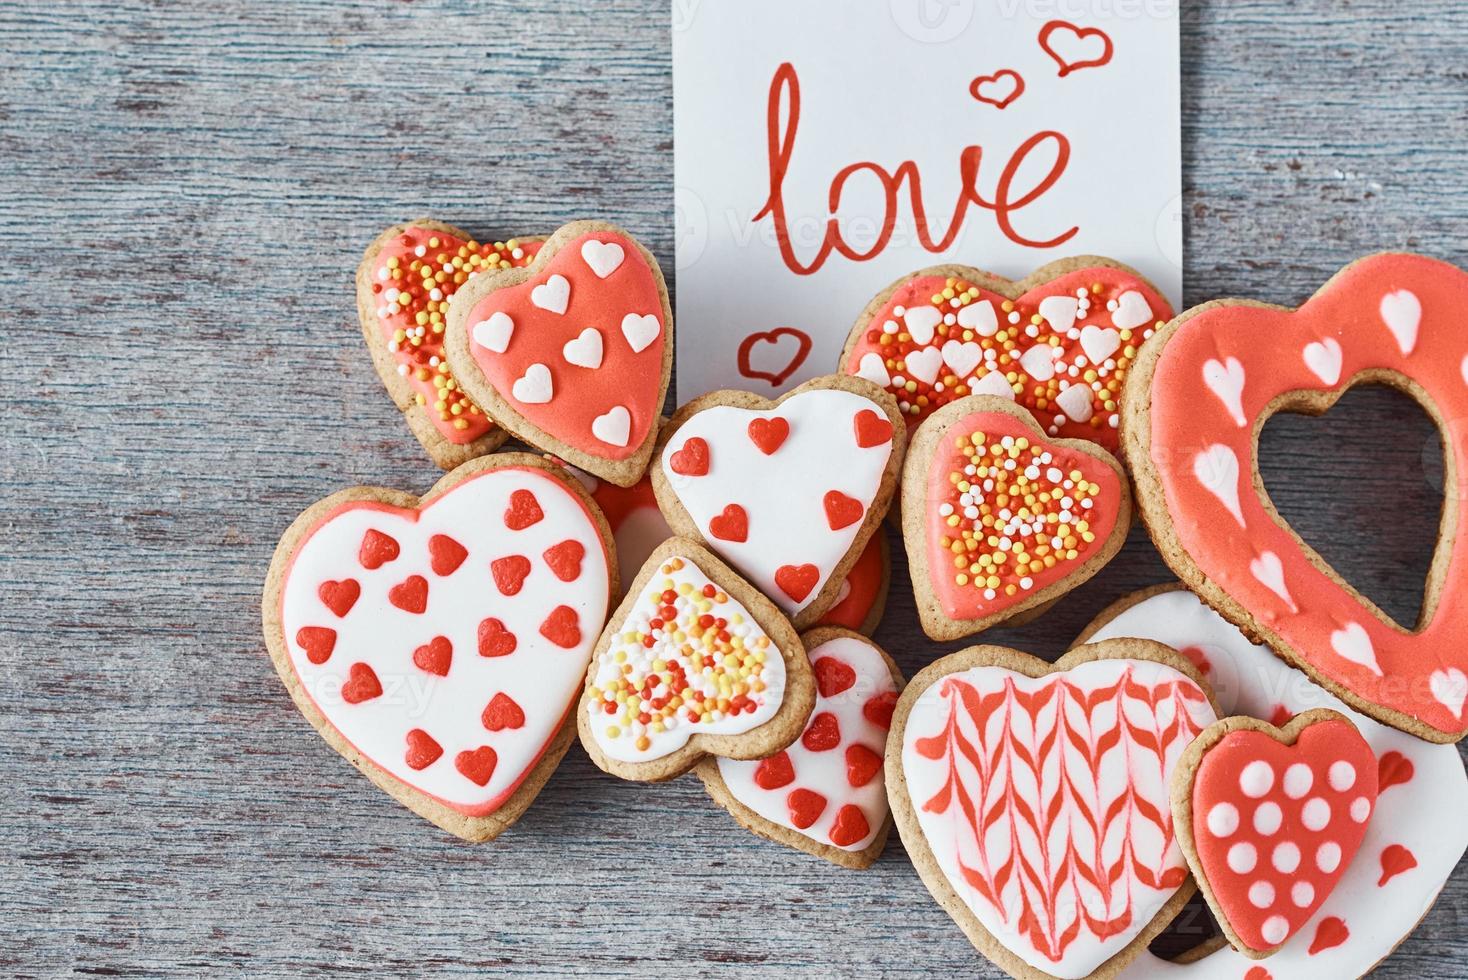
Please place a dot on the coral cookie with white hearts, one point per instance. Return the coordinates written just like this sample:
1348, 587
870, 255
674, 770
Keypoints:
1000, 518
440, 643
1270, 819
1033, 799
1199, 395
694, 662
404, 284
1058, 343
788, 492
573, 352
824, 794
1413, 838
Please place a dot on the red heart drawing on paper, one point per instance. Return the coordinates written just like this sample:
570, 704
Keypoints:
1024, 857
1275, 825
405, 684
1060, 343
570, 353
772, 339
1074, 48
998, 89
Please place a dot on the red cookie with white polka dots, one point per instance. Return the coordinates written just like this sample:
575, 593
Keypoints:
438, 643
1270, 818
825, 793
1059, 342
404, 283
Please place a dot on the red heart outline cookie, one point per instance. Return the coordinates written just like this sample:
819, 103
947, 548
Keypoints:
796, 468
451, 697
572, 353
1016, 860
1202, 391
976, 562
1071, 327
412, 269
694, 662
1270, 818
824, 794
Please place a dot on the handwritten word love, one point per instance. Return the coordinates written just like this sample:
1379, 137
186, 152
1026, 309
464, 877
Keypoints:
784, 104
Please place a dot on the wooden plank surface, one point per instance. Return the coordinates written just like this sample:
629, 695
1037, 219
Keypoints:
184, 191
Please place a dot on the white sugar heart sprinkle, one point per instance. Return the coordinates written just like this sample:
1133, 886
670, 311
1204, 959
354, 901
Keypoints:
1353, 644
535, 387
980, 318
585, 351
1039, 362
1324, 358
1075, 402
494, 334
1401, 311
1132, 311
640, 331
923, 364
1226, 380
921, 322
1269, 570
962, 357
1059, 312
874, 369
1217, 469
603, 258
993, 383
614, 428
1099, 343
553, 295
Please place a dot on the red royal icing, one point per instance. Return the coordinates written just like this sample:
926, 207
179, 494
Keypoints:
871, 429
850, 826
1329, 934
423, 750
768, 434
361, 684
341, 596
879, 709
377, 549
495, 640
509, 573
841, 510
562, 627
797, 581
947, 343
564, 560
501, 713
859, 594
775, 772
1275, 826
435, 656
862, 765
583, 359
1393, 769
410, 595
1395, 860
409, 279
524, 511
317, 641
823, 733
1219, 372
832, 676
692, 459
806, 807
477, 765
732, 524
446, 554
997, 535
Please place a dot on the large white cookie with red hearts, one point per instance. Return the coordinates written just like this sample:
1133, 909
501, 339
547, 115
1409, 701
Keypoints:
439, 644
788, 492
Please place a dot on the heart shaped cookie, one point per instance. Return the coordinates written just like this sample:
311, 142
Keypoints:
440, 643
788, 491
572, 353
998, 519
1201, 392
694, 662
404, 284
824, 794
1270, 818
1422, 792
1059, 342
1033, 799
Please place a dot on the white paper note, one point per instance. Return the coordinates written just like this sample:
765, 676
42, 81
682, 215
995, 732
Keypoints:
1017, 133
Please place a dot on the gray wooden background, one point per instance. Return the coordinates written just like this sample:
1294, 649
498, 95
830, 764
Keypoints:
185, 188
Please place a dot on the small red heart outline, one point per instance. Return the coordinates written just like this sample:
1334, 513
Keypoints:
772, 337
1078, 34
1017, 87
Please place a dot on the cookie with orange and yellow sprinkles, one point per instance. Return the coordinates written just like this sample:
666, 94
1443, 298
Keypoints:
404, 283
695, 662
1058, 342
1000, 518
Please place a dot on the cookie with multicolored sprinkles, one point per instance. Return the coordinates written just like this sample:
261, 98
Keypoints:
695, 662
1058, 342
1000, 520
404, 283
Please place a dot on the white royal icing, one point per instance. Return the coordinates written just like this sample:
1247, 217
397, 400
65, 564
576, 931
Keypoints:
1424, 814
541, 677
